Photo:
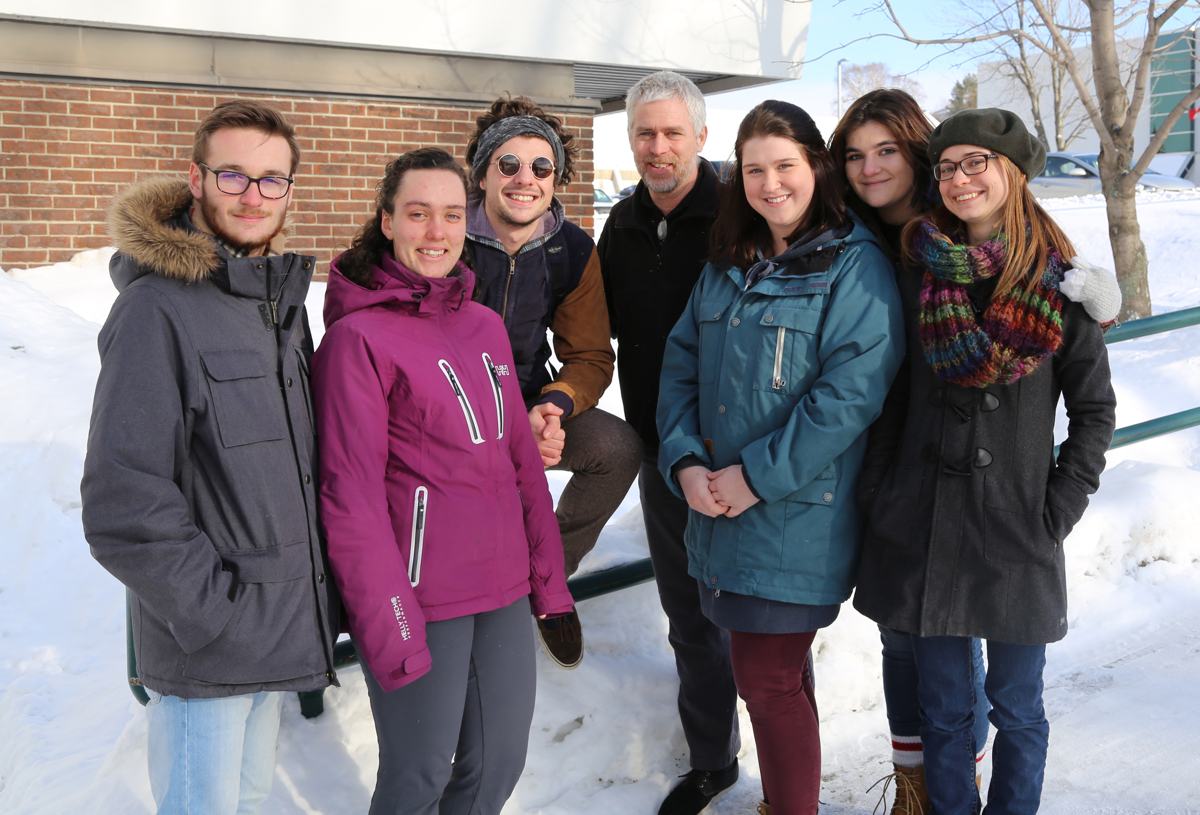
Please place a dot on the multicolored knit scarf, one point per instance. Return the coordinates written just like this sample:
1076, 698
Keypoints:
1014, 334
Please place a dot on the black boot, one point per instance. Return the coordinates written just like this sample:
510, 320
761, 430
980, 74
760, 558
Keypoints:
697, 789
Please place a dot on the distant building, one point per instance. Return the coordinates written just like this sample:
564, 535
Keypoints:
105, 93
1174, 71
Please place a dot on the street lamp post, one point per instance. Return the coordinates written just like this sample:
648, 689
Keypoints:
840, 63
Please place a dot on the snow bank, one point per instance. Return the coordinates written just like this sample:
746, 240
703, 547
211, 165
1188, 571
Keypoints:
605, 737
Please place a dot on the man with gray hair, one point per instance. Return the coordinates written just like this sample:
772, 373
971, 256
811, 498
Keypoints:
651, 251
539, 271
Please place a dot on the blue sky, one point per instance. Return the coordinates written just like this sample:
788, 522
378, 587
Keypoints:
834, 26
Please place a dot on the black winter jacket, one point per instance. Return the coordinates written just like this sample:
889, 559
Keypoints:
199, 489
648, 281
969, 509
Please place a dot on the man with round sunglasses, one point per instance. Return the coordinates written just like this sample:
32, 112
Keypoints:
199, 488
540, 272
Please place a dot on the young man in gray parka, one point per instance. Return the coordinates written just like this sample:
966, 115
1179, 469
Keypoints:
198, 487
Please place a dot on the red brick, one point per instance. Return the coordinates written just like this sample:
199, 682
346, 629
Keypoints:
69, 92
90, 109
12, 242
152, 98
25, 91
26, 119
95, 162
137, 164
103, 95
47, 160
23, 228
52, 187
26, 173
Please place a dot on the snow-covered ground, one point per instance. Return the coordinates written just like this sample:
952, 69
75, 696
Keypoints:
1120, 689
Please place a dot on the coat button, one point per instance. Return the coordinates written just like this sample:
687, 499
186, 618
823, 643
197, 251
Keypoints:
983, 457
307, 478
735, 322
770, 318
827, 497
289, 381
720, 408
716, 315
988, 402
321, 577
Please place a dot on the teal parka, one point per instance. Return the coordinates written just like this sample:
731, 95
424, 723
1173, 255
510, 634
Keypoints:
783, 378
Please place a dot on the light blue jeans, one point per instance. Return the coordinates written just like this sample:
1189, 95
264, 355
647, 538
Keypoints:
212, 756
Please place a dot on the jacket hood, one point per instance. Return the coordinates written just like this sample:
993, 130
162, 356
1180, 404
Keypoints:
479, 228
394, 285
147, 225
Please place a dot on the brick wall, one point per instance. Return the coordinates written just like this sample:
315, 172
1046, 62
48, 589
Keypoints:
67, 149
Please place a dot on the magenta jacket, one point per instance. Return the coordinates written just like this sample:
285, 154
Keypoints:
433, 495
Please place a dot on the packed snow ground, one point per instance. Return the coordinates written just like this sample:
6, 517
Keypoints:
1120, 689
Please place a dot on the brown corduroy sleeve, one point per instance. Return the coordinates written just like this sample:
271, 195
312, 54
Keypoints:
581, 341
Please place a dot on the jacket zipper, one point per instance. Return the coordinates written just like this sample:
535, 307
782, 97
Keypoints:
512, 270
468, 414
496, 391
417, 542
777, 380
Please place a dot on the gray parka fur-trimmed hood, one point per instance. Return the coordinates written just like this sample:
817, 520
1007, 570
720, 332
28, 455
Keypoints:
144, 223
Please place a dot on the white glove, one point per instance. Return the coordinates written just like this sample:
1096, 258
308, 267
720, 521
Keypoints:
1095, 287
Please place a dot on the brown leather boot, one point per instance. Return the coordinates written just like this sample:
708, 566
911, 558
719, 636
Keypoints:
911, 796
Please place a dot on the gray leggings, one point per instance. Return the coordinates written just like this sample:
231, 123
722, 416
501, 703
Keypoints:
454, 741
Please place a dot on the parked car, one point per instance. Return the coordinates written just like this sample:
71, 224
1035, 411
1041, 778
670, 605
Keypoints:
1077, 174
602, 203
624, 192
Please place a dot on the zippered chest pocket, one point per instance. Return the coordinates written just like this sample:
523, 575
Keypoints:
788, 343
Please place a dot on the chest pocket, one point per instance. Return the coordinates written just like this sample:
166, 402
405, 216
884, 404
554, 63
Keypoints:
789, 344
711, 333
245, 399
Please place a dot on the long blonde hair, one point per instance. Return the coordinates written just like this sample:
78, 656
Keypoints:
1028, 229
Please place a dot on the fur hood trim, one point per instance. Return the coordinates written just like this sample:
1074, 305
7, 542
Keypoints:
139, 225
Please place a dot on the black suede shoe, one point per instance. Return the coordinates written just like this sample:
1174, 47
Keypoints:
697, 789
563, 638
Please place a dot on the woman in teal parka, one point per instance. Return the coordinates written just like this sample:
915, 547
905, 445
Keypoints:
770, 379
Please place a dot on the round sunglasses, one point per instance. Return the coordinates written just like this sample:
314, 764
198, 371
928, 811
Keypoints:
509, 165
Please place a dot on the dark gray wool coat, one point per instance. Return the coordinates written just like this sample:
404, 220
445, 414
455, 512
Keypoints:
198, 487
966, 507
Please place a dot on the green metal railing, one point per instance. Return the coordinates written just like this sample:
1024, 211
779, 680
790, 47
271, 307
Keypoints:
606, 581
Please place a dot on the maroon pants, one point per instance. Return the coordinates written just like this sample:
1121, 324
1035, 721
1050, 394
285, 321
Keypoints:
771, 677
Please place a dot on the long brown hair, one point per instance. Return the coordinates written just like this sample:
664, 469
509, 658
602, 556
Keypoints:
370, 244
739, 232
1028, 229
902, 116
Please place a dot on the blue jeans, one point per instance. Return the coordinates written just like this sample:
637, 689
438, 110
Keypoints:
946, 690
900, 687
212, 756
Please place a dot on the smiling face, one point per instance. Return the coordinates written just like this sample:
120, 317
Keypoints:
779, 184
665, 145
245, 222
976, 200
879, 172
522, 199
428, 221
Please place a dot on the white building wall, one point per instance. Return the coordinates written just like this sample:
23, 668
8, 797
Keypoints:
753, 38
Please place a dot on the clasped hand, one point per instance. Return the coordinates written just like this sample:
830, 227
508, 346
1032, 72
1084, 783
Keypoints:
716, 492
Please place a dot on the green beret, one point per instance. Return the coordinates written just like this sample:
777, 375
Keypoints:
995, 129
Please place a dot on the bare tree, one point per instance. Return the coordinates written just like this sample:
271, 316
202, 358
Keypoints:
860, 79
1113, 99
1029, 68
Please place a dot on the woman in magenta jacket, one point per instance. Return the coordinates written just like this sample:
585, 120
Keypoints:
440, 526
